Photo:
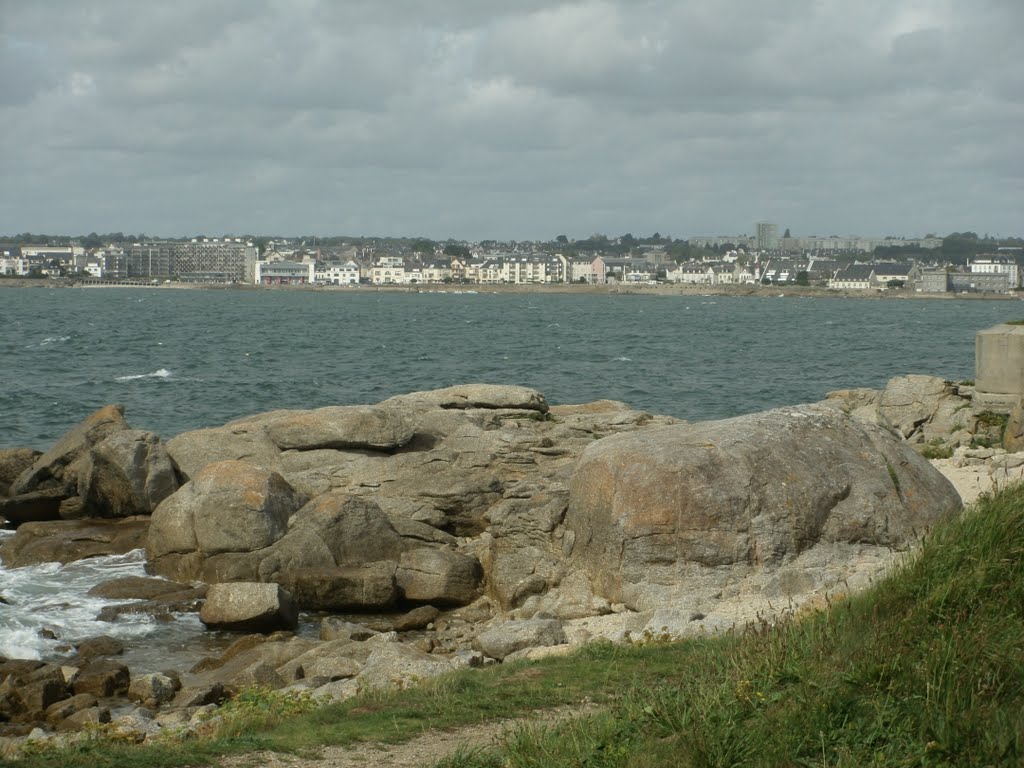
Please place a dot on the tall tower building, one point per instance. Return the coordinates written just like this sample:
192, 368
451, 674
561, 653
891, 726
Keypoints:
767, 235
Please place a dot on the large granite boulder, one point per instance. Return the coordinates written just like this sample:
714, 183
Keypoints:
442, 576
248, 607
464, 396
355, 426
56, 468
511, 636
229, 510
366, 587
127, 473
245, 440
683, 511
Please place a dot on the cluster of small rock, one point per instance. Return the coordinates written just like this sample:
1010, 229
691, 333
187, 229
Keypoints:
471, 525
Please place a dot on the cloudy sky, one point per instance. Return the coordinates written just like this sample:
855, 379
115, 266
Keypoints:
511, 119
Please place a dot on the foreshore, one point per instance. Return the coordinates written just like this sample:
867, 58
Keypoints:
763, 291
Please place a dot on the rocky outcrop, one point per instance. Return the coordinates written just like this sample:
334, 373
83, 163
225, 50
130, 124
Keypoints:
476, 524
100, 468
684, 514
432, 497
346, 427
924, 410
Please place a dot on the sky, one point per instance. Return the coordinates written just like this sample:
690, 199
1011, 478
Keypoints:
518, 119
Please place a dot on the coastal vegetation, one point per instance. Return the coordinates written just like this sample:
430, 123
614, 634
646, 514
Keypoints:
926, 668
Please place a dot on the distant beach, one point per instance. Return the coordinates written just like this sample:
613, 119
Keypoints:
619, 289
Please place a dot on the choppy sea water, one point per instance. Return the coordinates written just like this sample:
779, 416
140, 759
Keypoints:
180, 360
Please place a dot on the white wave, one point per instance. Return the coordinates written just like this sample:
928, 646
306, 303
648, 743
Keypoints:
160, 373
48, 605
49, 340
623, 359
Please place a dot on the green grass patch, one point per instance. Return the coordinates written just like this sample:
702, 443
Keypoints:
924, 669
936, 451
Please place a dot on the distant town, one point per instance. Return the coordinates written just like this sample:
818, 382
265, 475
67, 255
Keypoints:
958, 262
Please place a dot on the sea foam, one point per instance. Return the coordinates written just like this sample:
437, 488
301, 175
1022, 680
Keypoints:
160, 373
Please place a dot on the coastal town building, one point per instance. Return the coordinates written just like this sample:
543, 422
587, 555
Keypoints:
338, 274
231, 258
990, 264
856, 277
877, 276
284, 272
962, 281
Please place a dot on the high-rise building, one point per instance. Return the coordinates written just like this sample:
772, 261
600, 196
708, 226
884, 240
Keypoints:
767, 235
227, 260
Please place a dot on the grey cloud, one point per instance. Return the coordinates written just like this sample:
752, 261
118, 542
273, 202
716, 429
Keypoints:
480, 118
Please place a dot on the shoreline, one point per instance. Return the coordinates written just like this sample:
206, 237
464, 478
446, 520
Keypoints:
768, 291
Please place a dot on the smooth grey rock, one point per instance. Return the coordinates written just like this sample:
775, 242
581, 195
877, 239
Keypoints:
417, 618
335, 529
356, 426
364, 587
152, 689
477, 396
127, 473
56, 467
511, 636
335, 628
191, 451
65, 541
439, 576
248, 607
228, 507
393, 665
679, 509
102, 679
33, 507
14, 461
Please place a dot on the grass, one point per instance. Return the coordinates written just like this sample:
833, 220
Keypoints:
935, 449
924, 669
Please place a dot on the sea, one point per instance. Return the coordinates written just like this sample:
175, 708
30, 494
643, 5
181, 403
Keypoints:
185, 359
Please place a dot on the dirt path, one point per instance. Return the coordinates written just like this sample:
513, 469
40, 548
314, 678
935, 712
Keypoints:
423, 750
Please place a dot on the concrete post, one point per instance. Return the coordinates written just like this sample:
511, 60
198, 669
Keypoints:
998, 368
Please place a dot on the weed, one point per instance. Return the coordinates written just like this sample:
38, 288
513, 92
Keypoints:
893, 476
939, 451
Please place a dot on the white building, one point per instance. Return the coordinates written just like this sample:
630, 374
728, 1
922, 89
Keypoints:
338, 274
990, 265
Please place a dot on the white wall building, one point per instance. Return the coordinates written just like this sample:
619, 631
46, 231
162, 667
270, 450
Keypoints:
990, 265
338, 274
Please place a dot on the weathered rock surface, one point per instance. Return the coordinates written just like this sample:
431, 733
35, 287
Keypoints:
247, 607
478, 517
228, 508
682, 512
127, 473
920, 409
1013, 436
511, 636
14, 461
56, 467
65, 541
353, 426
33, 507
